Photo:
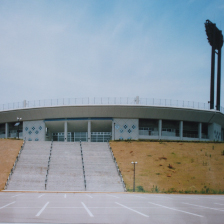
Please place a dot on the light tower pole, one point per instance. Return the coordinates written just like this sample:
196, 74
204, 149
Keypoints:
215, 39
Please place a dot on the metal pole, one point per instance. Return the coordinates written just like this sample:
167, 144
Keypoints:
18, 131
134, 179
218, 81
212, 78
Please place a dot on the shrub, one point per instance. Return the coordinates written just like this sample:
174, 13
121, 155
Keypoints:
155, 189
140, 189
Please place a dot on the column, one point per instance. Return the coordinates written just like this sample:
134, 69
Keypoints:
66, 131
89, 130
160, 129
6, 130
199, 130
181, 130
113, 130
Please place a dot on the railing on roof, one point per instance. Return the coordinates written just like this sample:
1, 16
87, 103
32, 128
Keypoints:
83, 167
106, 101
48, 165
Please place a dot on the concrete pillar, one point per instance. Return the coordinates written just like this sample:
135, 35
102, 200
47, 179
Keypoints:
160, 129
6, 130
199, 130
66, 131
89, 131
113, 130
181, 130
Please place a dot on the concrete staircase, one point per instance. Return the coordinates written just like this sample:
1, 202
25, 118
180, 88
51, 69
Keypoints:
100, 170
65, 173
31, 168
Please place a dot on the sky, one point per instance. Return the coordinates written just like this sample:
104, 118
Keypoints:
53, 49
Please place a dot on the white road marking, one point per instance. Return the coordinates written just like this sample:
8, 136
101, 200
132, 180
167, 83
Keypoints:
38, 214
161, 196
112, 196
65, 196
41, 195
7, 205
177, 197
89, 196
16, 195
203, 207
176, 209
132, 209
89, 212
218, 204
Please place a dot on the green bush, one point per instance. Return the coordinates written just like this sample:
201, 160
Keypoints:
140, 189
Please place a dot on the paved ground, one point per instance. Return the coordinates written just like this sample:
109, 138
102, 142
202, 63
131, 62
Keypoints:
20, 207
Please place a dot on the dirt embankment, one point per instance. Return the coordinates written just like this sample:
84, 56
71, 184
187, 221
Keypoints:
9, 149
172, 166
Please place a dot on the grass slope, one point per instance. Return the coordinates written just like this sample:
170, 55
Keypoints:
172, 166
9, 149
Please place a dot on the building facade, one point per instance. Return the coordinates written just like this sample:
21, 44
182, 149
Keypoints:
101, 122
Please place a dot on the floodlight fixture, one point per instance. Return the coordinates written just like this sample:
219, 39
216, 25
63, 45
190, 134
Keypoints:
215, 37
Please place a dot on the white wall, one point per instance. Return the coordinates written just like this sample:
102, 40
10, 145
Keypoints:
34, 130
125, 129
214, 132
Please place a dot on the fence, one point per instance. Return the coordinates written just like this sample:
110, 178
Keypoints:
106, 101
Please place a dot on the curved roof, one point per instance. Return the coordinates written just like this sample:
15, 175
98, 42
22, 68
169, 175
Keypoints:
114, 111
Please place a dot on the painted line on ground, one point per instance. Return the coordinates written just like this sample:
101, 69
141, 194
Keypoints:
7, 205
200, 206
16, 195
38, 214
112, 196
132, 209
89, 196
65, 196
177, 197
176, 209
41, 195
89, 212
209, 197
161, 196
218, 204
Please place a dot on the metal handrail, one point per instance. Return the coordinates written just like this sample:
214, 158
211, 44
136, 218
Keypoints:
15, 163
118, 170
48, 165
83, 167
106, 101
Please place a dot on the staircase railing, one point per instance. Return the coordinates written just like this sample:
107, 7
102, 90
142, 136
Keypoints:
118, 170
83, 167
15, 163
48, 165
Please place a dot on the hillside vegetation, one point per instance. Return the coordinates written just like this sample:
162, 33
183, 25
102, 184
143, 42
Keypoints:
183, 167
9, 149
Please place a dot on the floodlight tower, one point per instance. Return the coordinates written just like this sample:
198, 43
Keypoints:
215, 39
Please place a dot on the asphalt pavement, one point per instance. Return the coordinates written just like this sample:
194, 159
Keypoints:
70, 207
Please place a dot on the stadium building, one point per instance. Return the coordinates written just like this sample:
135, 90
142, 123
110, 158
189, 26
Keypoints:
102, 119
